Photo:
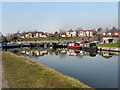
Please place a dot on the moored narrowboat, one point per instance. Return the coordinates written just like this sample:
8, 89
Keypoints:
89, 46
13, 45
74, 46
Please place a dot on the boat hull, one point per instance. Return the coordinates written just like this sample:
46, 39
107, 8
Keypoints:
79, 48
90, 49
11, 46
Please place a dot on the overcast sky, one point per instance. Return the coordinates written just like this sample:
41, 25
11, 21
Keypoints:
53, 16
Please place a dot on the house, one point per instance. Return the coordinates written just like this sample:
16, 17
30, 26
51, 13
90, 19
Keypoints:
104, 33
109, 39
116, 34
85, 33
38, 34
81, 33
22, 36
34, 35
29, 35
45, 35
63, 34
71, 33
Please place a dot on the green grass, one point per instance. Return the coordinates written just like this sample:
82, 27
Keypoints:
109, 45
53, 38
24, 73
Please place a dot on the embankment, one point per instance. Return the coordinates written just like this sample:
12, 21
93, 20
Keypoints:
24, 73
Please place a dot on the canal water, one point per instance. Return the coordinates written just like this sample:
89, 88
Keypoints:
96, 69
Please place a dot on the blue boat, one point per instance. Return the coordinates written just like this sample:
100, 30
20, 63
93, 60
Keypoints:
13, 45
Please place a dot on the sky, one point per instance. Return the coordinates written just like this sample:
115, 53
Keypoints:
55, 16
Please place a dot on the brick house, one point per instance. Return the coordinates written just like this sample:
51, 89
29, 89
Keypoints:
38, 34
85, 33
106, 33
29, 35
71, 33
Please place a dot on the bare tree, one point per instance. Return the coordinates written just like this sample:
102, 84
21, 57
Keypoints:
80, 28
56, 34
35, 30
107, 29
100, 29
61, 30
24, 32
8, 34
18, 32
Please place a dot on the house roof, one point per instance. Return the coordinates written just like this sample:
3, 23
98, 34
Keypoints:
45, 33
71, 30
38, 32
86, 30
28, 32
89, 30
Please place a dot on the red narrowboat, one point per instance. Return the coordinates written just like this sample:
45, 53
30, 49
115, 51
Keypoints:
74, 46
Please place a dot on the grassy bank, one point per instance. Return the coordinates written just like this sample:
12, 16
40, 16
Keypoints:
53, 38
109, 45
24, 73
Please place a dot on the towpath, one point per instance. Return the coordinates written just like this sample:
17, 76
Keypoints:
3, 80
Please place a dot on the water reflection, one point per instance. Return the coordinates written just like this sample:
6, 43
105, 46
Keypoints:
108, 55
62, 52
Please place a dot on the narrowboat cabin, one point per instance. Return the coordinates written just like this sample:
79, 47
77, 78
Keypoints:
89, 46
74, 46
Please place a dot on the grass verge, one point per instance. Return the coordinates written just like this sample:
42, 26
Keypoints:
53, 38
117, 45
24, 73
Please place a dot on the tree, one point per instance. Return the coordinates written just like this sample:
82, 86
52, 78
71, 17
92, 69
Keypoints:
0, 37
80, 28
107, 29
36, 30
99, 37
18, 32
61, 30
24, 33
15, 38
56, 34
113, 30
4, 39
95, 33
99, 29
